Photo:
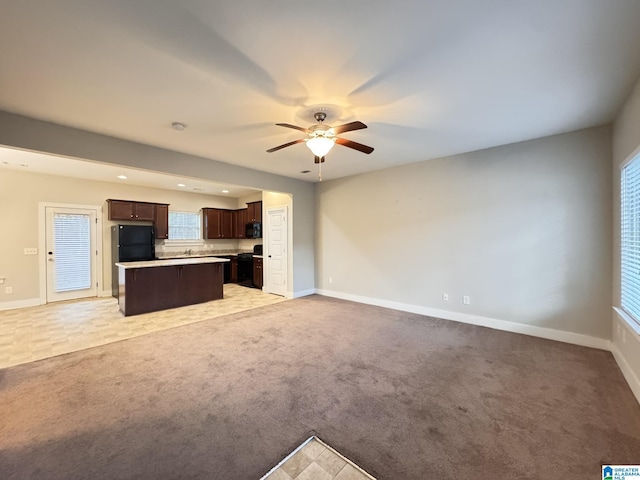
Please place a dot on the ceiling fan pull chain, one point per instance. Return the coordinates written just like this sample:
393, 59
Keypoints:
320, 172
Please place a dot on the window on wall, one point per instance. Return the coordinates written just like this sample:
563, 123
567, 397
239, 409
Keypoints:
184, 226
630, 238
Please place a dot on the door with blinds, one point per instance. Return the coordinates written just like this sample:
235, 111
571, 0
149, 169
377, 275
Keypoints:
71, 253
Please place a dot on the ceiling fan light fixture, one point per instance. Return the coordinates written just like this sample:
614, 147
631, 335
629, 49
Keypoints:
320, 145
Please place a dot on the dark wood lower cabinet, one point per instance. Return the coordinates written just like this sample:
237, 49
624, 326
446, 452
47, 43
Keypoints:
257, 272
149, 289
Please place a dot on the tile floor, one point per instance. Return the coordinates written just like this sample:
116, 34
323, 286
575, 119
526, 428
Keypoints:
315, 460
34, 333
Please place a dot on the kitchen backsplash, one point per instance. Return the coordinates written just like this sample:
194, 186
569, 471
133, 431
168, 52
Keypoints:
208, 248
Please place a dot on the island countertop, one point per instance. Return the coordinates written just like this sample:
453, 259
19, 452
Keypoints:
171, 262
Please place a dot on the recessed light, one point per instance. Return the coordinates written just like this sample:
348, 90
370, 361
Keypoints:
198, 189
225, 191
305, 171
24, 165
178, 126
122, 177
181, 185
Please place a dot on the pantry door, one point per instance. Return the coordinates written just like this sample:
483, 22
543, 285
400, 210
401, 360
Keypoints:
276, 251
71, 253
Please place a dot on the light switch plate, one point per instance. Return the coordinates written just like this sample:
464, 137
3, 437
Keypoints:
30, 251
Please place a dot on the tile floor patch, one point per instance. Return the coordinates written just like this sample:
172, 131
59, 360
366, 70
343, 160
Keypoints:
315, 460
34, 333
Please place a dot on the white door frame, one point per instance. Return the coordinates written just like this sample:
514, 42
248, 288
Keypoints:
42, 243
289, 253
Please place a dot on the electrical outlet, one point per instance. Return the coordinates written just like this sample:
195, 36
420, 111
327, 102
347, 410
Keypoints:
330, 279
8, 289
445, 297
30, 251
466, 300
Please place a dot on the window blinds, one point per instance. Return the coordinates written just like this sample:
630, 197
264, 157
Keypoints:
184, 226
630, 238
72, 240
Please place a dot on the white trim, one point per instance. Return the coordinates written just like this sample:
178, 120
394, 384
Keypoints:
281, 462
628, 320
42, 243
105, 293
630, 158
29, 302
303, 293
542, 332
627, 372
183, 243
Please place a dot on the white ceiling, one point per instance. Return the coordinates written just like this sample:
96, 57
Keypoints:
429, 77
33, 162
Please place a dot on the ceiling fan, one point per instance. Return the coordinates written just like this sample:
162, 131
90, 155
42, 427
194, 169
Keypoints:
321, 138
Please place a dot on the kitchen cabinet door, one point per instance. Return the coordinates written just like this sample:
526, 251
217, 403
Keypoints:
234, 270
226, 225
161, 221
254, 211
120, 210
240, 223
257, 272
127, 210
211, 223
145, 211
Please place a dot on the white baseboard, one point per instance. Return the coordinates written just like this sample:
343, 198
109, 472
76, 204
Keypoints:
542, 332
29, 302
105, 293
304, 293
628, 373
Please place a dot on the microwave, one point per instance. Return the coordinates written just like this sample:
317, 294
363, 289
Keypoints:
254, 230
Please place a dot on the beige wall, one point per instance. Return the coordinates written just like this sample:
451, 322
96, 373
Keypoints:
21, 193
22, 132
626, 142
522, 229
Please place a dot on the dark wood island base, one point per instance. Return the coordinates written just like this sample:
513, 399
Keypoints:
159, 285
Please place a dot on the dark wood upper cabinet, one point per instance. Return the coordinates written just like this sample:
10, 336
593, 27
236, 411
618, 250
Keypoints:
127, 210
161, 221
217, 223
158, 213
240, 223
227, 224
254, 212
211, 223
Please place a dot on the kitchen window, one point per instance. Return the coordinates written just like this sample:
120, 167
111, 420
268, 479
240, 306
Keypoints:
630, 238
185, 226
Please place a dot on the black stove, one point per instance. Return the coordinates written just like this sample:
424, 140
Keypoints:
245, 266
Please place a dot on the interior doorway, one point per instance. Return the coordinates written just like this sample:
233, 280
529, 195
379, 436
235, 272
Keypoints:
276, 259
71, 252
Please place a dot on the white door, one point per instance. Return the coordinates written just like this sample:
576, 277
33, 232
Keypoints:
276, 254
71, 253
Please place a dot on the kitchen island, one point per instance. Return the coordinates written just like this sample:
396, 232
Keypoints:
161, 284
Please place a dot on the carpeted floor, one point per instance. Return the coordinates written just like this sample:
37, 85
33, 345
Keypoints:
403, 396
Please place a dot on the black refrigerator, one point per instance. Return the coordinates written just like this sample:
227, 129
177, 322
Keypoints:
130, 243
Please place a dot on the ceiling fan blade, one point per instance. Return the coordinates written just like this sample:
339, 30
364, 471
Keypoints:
285, 145
347, 127
295, 127
355, 145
